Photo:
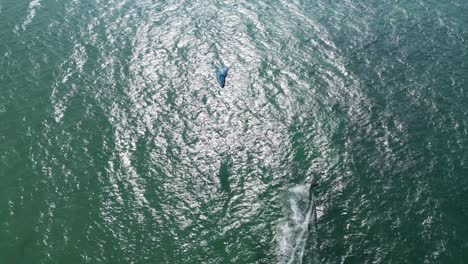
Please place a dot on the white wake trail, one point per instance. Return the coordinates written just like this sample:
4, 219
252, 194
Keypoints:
295, 228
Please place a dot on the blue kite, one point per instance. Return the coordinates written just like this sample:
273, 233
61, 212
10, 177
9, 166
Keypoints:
221, 74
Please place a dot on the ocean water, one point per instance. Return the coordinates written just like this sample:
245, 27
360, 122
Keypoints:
117, 144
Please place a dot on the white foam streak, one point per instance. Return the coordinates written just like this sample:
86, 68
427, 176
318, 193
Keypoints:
33, 6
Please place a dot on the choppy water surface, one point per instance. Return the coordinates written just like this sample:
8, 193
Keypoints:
118, 146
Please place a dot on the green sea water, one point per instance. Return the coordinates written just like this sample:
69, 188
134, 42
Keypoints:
117, 144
